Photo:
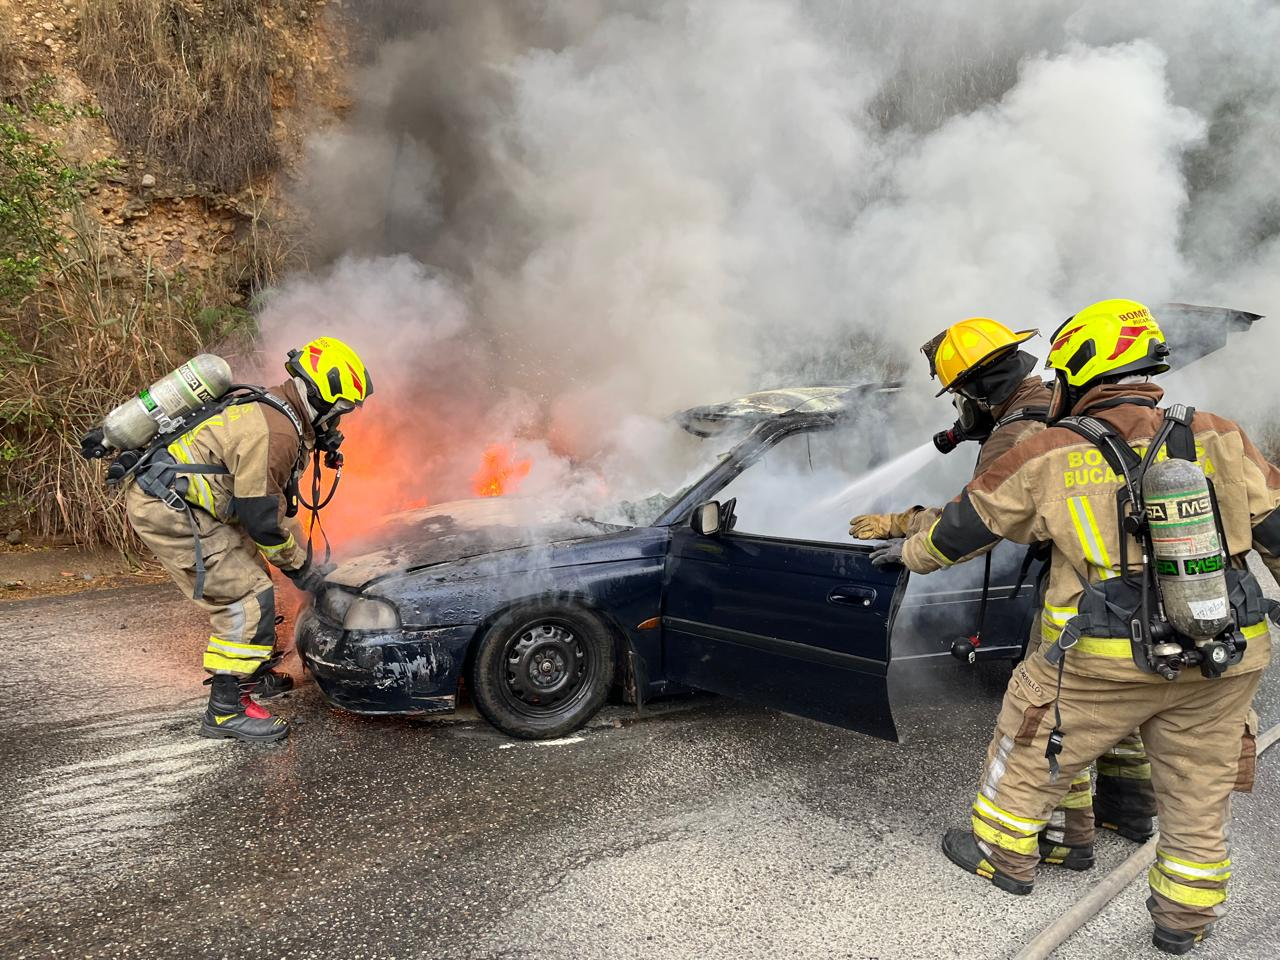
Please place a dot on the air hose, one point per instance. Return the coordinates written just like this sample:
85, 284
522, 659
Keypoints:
1091, 904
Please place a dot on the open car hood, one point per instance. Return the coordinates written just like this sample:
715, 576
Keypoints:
835, 400
453, 531
1195, 331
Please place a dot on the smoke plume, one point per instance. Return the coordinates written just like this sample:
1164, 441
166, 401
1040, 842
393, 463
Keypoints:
546, 223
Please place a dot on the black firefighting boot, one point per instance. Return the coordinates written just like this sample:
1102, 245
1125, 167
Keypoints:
235, 716
1129, 825
266, 685
1178, 941
1060, 855
962, 849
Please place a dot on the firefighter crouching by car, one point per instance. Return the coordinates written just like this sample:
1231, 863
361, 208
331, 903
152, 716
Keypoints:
248, 458
1111, 675
999, 403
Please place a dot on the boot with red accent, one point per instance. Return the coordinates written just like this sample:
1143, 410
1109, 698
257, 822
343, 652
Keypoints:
233, 715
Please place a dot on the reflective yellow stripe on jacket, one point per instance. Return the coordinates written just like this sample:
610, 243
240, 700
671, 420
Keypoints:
270, 551
934, 551
1121, 648
199, 491
1092, 541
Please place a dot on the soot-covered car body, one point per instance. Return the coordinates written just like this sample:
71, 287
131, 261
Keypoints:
540, 615
744, 583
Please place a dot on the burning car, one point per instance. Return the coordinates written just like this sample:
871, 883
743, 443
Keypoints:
743, 583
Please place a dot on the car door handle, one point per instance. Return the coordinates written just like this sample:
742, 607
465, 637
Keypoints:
852, 595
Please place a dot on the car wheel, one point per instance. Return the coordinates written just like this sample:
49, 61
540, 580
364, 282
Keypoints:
543, 671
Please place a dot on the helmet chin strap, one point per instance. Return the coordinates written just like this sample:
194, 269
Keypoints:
306, 401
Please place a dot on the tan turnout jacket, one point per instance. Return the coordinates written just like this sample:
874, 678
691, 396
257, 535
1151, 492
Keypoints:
260, 448
1030, 393
1056, 487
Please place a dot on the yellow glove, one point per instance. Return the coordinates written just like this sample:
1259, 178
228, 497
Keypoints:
881, 526
871, 526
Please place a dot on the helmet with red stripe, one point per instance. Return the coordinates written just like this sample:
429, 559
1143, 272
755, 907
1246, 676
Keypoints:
1108, 339
335, 377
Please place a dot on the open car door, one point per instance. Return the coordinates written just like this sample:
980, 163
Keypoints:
773, 603
799, 626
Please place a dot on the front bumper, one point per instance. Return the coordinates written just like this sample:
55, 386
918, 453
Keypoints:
392, 672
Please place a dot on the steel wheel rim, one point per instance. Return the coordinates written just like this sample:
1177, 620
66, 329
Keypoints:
545, 665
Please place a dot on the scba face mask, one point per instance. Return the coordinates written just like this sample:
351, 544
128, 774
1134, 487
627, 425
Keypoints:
328, 437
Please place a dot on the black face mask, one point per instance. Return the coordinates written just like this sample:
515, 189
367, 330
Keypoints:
995, 383
974, 398
328, 437
973, 417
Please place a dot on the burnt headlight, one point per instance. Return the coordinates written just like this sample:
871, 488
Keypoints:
335, 602
370, 613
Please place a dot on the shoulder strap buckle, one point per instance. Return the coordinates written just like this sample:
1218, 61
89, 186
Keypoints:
1181, 440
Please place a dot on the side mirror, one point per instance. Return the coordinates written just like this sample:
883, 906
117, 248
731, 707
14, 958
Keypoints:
706, 518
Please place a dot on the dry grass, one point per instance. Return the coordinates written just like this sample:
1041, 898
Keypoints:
84, 342
269, 249
185, 84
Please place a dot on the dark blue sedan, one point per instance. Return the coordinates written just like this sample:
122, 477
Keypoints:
744, 583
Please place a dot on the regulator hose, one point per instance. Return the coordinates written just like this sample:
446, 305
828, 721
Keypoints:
317, 504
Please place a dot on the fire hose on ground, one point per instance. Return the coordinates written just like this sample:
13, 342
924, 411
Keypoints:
1055, 934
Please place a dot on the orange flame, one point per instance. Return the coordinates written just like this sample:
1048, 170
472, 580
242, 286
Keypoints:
378, 479
499, 473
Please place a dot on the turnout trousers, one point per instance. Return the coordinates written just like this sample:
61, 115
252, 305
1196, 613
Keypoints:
1199, 737
1124, 793
238, 594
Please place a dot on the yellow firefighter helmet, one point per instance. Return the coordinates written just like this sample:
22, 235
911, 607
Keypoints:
332, 371
963, 348
1108, 338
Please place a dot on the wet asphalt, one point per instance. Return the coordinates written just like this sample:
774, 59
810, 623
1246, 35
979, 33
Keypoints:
703, 828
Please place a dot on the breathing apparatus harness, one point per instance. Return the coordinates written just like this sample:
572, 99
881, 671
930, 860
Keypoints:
976, 422
1133, 605
158, 473
965, 648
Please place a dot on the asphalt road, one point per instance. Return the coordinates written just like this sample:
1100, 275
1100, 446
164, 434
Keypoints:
705, 829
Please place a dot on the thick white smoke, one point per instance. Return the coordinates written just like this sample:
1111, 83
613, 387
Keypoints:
549, 220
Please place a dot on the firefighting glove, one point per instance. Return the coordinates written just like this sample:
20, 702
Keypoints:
870, 526
881, 526
888, 555
310, 576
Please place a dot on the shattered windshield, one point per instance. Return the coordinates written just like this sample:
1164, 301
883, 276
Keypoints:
656, 470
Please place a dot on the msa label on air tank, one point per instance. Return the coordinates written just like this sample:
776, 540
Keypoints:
194, 383
1192, 508
1189, 566
1197, 507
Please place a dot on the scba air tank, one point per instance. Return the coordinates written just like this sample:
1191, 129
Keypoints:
1189, 557
135, 422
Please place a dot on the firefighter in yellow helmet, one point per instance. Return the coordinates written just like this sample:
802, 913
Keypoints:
211, 502
1108, 648
1000, 402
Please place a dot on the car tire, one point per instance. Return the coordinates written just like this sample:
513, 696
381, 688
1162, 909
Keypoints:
543, 670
